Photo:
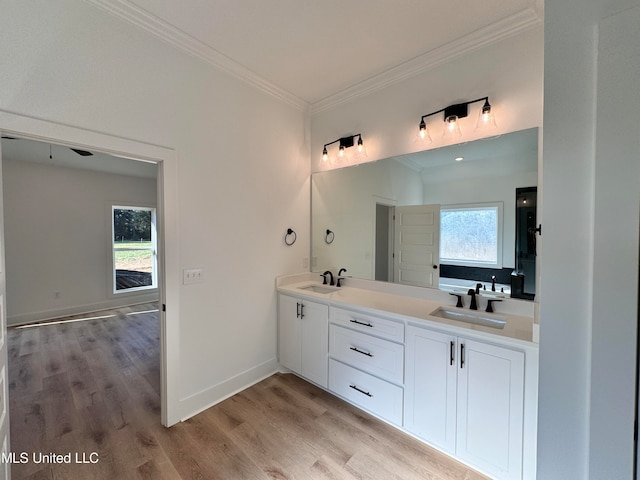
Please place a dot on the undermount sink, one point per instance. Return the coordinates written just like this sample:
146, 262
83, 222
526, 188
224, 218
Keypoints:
323, 289
469, 317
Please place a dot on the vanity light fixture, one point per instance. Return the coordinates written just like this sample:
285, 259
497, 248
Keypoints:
344, 143
453, 113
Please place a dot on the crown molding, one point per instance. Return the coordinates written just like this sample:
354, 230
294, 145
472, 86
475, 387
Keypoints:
529, 17
176, 37
505, 28
409, 163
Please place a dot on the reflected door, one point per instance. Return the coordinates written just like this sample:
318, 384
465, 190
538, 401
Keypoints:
417, 245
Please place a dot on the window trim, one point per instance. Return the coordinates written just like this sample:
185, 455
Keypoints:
154, 251
499, 207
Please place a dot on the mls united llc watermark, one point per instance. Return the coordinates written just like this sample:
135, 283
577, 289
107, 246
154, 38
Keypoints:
39, 457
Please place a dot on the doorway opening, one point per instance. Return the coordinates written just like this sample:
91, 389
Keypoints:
134, 153
384, 242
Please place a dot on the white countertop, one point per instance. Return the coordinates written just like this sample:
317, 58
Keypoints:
412, 309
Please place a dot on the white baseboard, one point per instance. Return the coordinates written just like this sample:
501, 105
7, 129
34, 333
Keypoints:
209, 397
22, 319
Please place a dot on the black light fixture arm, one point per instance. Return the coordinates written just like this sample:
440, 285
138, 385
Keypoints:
430, 114
460, 110
346, 142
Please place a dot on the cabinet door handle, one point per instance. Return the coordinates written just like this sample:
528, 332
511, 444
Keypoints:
361, 323
355, 349
462, 355
452, 350
302, 310
360, 390
297, 309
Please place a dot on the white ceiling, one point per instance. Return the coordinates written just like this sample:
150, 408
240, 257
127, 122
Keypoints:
21, 149
311, 53
312, 50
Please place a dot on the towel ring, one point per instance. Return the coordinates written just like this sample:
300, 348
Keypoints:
290, 237
328, 237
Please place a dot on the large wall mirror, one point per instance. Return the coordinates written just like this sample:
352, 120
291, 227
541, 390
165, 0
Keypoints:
416, 219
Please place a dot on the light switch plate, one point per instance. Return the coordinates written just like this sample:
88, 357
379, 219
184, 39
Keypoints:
192, 275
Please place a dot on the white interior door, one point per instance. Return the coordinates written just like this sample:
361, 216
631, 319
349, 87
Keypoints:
4, 391
417, 245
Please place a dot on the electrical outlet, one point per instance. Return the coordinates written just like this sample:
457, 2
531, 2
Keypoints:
192, 275
305, 262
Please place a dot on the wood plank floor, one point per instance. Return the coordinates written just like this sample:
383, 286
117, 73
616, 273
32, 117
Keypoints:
92, 386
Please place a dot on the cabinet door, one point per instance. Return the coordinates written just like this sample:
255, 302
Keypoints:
430, 386
289, 333
315, 342
490, 408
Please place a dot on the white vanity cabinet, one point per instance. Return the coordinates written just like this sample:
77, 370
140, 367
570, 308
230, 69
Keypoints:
303, 337
466, 397
366, 363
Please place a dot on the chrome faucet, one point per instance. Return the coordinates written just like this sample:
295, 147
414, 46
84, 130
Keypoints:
324, 276
474, 304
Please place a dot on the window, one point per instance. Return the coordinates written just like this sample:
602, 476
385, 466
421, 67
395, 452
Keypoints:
471, 235
134, 248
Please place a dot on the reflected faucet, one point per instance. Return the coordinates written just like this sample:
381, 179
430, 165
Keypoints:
340, 276
474, 305
493, 283
324, 276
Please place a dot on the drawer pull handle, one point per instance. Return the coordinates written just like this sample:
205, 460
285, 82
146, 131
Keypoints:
451, 350
361, 323
360, 390
368, 354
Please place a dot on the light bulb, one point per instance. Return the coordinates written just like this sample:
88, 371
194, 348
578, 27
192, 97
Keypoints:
423, 134
361, 152
325, 155
423, 129
452, 127
341, 152
486, 120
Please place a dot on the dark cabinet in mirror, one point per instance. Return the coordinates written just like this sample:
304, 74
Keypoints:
523, 278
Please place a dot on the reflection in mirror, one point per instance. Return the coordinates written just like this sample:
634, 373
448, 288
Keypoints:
523, 283
359, 204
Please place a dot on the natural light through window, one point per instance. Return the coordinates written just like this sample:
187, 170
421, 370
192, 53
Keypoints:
134, 248
471, 235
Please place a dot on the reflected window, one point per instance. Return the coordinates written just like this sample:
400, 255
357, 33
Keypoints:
471, 235
133, 248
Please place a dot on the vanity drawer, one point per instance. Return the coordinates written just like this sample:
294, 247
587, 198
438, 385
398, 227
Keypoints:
374, 355
370, 324
377, 396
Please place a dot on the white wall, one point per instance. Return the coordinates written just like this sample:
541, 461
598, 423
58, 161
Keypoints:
58, 238
588, 311
509, 72
616, 266
344, 201
241, 172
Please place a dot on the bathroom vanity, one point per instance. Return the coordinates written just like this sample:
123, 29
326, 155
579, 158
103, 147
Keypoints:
463, 381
